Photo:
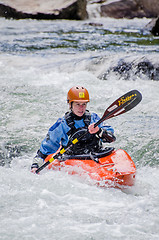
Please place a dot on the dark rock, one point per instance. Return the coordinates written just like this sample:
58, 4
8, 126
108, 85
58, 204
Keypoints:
122, 9
155, 28
8, 152
123, 68
94, 24
73, 10
130, 9
146, 68
133, 69
150, 7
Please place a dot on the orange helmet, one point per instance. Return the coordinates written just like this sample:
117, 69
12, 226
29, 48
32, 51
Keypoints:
77, 94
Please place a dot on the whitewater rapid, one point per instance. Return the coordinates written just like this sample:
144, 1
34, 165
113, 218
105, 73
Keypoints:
34, 81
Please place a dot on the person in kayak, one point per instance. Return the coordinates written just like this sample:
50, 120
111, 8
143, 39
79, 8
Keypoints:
74, 123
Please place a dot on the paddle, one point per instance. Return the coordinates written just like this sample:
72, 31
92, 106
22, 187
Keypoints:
120, 106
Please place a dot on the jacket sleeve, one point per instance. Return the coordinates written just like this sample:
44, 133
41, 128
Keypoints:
56, 136
105, 135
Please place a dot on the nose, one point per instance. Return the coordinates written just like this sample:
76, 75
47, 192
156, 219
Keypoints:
82, 106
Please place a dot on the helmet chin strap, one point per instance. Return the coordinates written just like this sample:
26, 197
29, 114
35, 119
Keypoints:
70, 105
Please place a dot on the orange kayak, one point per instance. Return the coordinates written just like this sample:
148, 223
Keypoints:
114, 170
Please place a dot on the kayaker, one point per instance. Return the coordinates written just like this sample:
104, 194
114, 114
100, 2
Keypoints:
70, 126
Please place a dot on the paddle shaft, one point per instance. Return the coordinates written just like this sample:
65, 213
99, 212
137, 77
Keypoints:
121, 105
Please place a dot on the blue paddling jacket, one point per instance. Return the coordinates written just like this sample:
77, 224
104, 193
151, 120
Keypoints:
58, 134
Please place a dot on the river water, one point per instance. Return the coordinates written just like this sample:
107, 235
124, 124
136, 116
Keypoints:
39, 62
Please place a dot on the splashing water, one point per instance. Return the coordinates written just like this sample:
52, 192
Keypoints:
39, 62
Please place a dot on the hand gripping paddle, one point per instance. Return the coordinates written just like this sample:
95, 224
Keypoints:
120, 106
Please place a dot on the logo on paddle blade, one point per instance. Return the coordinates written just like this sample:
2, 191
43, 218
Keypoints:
124, 100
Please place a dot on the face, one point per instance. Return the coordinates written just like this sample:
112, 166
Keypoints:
79, 108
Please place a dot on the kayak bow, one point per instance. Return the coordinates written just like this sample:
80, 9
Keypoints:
115, 169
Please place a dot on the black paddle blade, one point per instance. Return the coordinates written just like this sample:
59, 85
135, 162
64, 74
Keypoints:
121, 105
124, 103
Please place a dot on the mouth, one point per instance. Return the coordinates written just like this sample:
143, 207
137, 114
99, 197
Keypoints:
81, 112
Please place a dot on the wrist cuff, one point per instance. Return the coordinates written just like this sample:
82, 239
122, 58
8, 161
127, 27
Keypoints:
99, 133
34, 165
